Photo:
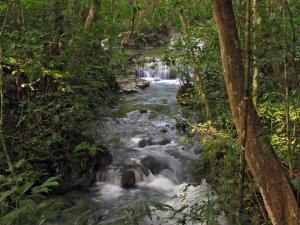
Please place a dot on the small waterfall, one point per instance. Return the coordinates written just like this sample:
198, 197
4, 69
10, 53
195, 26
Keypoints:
111, 176
150, 170
157, 70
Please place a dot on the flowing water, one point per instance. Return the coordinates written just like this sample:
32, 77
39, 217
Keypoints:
150, 160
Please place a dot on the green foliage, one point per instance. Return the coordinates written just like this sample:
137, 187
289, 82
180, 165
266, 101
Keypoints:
32, 3
22, 197
272, 110
220, 164
50, 109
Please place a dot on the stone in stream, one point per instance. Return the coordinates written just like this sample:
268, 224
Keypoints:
145, 142
149, 141
137, 58
163, 141
75, 176
155, 164
197, 148
128, 178
143, 110
132, 84
164, 130
173, 74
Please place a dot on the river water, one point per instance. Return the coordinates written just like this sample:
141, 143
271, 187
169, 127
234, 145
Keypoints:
151, 160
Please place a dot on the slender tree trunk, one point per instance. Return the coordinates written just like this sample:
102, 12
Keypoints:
266, 169
245, 112
291, 20
90, 17
22, 13
287, 91
93, 13
2, 138
59, 18
134, 12
255, 70
198, 75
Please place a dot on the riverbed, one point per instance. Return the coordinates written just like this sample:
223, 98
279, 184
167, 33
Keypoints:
152, 160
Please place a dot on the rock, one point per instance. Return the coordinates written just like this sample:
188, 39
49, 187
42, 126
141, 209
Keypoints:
143, 110
149, 141
130, 42
182, 126
155, 164
164, 130
128, 178
132, 85
129, 90
173, 74
75, 176
143, 84
197, 148
137, 58
145, 142
163, 141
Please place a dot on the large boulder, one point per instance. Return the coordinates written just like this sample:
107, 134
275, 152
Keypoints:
77, 175
139, 58
132, 85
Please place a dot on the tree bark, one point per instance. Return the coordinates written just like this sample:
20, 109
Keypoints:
245, 112
266, 169
93, 13
287, 90
255, 71
134, 12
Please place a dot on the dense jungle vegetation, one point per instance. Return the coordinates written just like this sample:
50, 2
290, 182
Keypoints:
60, 63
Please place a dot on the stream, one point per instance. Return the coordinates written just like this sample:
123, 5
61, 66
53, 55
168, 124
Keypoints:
151, 162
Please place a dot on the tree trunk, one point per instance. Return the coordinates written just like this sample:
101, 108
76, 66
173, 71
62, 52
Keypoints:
245, 112
266, 169
287, 90
93, 13
255, 71
134, 12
